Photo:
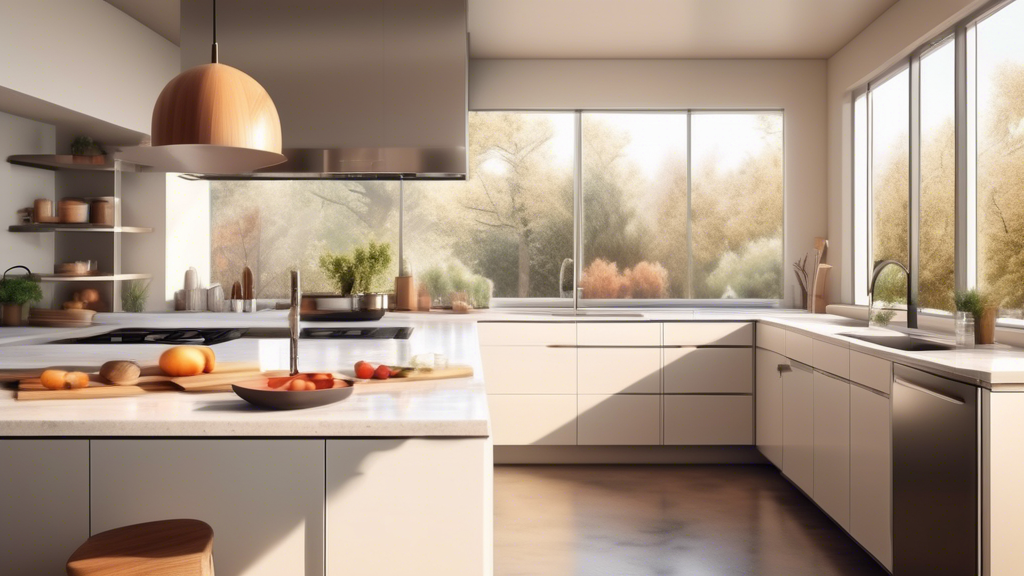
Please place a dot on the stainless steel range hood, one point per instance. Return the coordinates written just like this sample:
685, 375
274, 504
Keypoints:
366, 89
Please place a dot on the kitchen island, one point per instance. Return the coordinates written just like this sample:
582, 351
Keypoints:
396, 479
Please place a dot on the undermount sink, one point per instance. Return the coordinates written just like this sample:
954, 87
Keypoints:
900, 342
600, 314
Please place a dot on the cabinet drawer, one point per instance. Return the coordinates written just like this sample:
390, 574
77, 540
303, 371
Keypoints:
800, 348
709, 334
709, 370
831, 358
771, 338
618, 334
533, 419
529, 369
705, 420
625, 419
871, 371
619, 370
526, 333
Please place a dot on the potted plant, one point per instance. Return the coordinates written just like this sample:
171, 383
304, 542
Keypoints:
362, 273
15, 292
975, 313
85, 150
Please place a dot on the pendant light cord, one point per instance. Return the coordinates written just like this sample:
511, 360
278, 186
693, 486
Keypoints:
215, 56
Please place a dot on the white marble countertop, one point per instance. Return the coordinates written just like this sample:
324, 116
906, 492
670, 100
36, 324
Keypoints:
387, 409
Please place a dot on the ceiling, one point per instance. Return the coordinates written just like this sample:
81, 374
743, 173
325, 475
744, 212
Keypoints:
630, 28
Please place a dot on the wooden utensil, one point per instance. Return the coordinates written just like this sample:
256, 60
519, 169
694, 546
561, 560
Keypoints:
248, 284
820, 283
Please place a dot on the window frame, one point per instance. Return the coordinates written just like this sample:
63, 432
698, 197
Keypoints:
964, 36
578, 303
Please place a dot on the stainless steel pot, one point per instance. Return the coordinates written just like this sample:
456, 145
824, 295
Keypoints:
371, 301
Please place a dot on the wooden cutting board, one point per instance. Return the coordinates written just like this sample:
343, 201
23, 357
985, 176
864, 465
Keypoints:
220, 380
422, 375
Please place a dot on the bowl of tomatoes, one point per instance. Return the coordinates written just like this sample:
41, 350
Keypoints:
303, 390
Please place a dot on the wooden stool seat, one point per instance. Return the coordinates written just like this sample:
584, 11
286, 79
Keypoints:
165, 547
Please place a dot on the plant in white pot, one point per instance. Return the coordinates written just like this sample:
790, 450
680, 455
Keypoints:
15, 292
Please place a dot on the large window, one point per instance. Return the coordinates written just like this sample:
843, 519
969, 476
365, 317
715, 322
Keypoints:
650, 206
947, 199
1000, 157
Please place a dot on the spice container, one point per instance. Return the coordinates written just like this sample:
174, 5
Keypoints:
73, 211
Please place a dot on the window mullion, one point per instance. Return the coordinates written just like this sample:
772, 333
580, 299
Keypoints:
689, 206
914, 212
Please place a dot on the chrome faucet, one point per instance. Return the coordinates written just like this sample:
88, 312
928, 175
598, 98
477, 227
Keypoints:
293, 324
911, 305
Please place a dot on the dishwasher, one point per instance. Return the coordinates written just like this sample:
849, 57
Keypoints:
935, 475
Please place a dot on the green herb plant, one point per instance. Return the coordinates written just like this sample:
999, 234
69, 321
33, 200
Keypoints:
19, 291
883, 317
971, 301
361, 272
133, 296
85, 146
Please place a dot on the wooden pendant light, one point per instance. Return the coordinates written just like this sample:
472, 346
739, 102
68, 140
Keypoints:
212, 119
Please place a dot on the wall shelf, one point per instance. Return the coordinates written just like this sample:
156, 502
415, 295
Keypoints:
67, 227
59, 162
104, 278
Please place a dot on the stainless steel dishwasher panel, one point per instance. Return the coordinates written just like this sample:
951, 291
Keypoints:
935, 475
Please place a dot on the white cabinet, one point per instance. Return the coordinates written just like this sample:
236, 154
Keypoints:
831, 358
709, 334
44, 503
768, 400
526, 333
699, 420
263, 498
832, 447
618, 334
619, 370
540, 419
800, 348
709, 370
870, 371
406, 506
798, 426
620, 419
771, 338
870, 473
529, 369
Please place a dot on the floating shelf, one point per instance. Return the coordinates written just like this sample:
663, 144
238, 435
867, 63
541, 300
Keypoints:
65, 227
59, 162
106, 278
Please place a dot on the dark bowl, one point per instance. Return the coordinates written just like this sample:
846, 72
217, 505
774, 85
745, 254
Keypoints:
259, 393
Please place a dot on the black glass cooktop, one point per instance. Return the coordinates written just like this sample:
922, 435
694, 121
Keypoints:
211, 336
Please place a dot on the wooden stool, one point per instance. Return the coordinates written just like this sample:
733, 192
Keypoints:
163, 548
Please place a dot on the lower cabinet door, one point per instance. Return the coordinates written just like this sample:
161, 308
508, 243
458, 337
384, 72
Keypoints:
798, 426
709, 371
621, 419
832, 447
870, 473
541, 419
409, 507
709, 420
529, 369
768, 396
619, 370
44, 503
263, 498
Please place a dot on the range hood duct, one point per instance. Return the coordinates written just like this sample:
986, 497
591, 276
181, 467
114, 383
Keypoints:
366, 89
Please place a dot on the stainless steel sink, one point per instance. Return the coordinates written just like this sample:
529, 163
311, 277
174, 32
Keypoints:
900, 342
600, 314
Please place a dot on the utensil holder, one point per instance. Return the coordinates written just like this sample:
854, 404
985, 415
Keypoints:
237, 305
249, 305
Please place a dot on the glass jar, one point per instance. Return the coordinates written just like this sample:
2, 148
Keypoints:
964, 322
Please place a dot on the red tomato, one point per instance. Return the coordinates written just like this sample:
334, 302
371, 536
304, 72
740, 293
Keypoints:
364, 370
382, 372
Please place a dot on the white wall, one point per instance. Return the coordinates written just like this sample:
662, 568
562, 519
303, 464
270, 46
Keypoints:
889, 39
796, 86
188, 233
87, 56
19, 187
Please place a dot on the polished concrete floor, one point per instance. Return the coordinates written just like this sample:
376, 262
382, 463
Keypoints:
663, 520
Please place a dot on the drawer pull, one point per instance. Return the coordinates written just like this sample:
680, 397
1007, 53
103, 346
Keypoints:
785, 368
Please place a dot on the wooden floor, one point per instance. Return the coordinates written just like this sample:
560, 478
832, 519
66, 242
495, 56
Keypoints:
663, 520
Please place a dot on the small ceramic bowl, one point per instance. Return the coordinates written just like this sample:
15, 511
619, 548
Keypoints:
267, 393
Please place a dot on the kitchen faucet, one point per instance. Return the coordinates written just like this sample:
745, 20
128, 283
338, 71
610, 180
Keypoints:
911, 305
293, 324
